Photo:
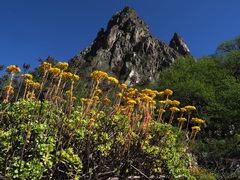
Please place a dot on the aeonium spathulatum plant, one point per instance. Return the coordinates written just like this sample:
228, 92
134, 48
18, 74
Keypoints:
11, 70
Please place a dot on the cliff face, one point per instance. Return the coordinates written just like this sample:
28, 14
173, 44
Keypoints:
128, 51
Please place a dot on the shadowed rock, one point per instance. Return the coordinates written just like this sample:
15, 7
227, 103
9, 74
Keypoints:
128, 51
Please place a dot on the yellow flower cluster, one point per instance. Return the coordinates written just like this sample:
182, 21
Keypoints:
63, 101
34, 84
162, 102
6, 89
182, 110
161, 94
122, 86
62, 66
27, 76
106, 100
146, 99
83, 100
168, 92
132, 93
55, 71
119, 94
175, 103
68, 92
113, 80
149, 92
189, 109
29, 94
197, 128
161, 110
98, 91
181, 119
152, 102
69, 76
98, 75
196, 120
96, 98
13, 69
174, 109
131, 102
45, 66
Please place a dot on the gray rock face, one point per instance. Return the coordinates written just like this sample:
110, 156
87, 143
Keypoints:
179, 45
128, 51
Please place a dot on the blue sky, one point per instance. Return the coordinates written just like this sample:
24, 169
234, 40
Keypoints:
30, 29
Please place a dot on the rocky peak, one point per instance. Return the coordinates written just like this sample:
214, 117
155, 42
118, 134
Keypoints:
179, 45
126, 19
128, 51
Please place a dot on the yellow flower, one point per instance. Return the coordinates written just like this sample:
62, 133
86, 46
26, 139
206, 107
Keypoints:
146, 98
92, 119
98, 91
62, 66
152, 102
96, 98
161, 94
189, 109
55, 71
82, 99
197, 128
161, 110
168, 92
74, 98
69, 76
35, 85
6, 89
113, 80
174, 109
98, 75
76, 77
148, 92
181, 119
30, 94
162, 102
13, 69
131, 102
175, 103
63, 101
196, 120
27, 76
68, 92
45, 66
122, 86
119, 94
106, 100
200, 121
182, 110
168, 101
152, 95
123, 109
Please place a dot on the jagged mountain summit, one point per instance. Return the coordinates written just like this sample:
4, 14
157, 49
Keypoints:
128, 51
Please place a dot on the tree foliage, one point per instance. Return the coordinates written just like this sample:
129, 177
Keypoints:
211, 83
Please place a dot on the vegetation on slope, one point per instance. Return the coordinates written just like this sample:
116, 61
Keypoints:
211, 83
46, 131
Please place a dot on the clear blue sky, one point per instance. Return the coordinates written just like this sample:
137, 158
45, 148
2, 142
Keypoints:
30, 29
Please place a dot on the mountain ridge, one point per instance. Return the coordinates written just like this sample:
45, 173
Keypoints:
128, 51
